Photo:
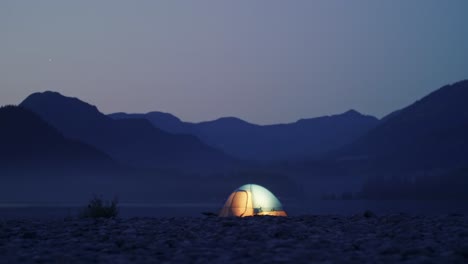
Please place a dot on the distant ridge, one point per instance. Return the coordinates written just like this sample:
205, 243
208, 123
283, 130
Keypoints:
305, 138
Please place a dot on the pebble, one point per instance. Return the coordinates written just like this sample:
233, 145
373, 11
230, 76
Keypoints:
365, 238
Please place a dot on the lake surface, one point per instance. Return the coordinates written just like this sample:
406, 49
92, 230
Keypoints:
316, 207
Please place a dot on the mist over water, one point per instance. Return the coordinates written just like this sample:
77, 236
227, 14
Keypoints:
312, 207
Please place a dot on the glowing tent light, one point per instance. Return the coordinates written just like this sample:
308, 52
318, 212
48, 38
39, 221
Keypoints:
250, 200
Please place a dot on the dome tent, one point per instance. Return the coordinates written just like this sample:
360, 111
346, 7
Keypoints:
251, 200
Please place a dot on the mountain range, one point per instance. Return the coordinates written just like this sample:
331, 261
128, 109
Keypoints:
424, 144
428, 135
304, 139
134, 142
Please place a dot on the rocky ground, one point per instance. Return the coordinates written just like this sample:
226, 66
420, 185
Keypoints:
362, 238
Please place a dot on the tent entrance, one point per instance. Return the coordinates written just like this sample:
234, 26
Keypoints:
240, 203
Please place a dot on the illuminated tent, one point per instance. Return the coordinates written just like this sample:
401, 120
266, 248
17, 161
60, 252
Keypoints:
250, 200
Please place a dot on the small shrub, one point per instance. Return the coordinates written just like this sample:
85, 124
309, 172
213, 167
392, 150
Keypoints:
97, 208
369, 214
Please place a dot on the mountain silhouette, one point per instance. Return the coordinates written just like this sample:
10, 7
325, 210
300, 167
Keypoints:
429, 135
38, 164
26, 141
304, 138
133, 142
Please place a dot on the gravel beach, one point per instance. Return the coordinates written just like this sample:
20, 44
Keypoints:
363, 238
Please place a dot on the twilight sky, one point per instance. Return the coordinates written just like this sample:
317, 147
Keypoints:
263, 61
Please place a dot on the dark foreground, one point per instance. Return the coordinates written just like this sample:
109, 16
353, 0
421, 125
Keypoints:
323, 239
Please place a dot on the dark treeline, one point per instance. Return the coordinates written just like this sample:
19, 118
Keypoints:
452, 185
